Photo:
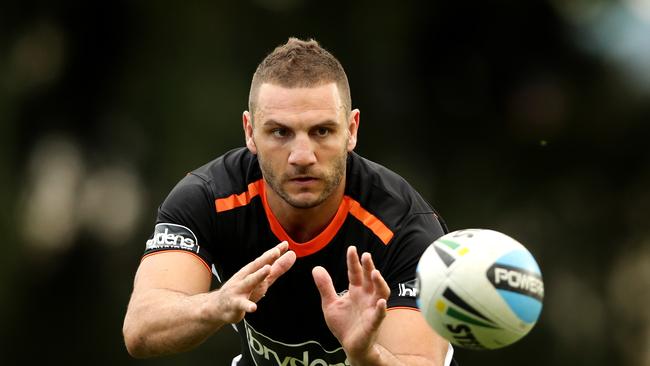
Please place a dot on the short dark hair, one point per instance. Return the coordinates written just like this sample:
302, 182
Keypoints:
299, 63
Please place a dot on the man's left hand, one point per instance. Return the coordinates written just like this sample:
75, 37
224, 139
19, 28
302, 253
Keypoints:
355, 317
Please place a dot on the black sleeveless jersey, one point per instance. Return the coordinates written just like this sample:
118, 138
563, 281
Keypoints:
219, 213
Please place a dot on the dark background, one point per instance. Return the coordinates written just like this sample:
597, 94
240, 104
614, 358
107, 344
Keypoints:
528, 117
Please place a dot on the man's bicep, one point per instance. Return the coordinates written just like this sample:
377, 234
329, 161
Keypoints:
406, 335
177, 254
179, 271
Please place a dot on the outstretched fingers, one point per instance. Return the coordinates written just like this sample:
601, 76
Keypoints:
379, 314
268, 257
354, 318
380, 285
368, 268
355, 271
324, 285
372, 280
281, 266
233, 299
375, 284
250, 282
239, 295
278, 268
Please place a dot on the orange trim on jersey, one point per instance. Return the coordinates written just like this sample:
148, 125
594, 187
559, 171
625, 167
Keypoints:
347, 204
404, 308
315, 244
207, 266
238, 200
370, 221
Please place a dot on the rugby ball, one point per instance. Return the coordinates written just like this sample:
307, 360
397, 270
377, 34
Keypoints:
479, 289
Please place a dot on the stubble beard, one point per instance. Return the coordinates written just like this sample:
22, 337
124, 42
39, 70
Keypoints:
332, 181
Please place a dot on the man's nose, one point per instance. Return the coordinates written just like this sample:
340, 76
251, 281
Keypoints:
302, 151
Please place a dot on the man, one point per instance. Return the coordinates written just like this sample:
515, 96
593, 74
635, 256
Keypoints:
311, 299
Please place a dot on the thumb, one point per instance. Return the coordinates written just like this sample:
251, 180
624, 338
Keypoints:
324, 284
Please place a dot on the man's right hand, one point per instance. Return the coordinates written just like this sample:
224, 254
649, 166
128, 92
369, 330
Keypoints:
240, 294
171, 309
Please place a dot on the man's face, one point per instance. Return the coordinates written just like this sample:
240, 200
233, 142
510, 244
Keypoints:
301, 137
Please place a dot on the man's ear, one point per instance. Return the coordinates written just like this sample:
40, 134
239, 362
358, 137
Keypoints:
353, 129
247, 122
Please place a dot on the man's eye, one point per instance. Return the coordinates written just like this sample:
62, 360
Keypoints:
322, 131
279, 132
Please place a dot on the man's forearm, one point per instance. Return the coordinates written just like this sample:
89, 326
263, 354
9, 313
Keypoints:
161, 322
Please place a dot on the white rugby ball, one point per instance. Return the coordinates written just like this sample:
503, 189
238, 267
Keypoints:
479, 289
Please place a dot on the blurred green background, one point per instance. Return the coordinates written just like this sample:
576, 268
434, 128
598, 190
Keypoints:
528, 117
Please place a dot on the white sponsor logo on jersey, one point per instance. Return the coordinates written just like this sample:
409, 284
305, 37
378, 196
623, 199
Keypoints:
172, 236
407, 289
266, 351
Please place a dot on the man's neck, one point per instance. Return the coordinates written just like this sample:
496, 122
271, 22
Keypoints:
304, 224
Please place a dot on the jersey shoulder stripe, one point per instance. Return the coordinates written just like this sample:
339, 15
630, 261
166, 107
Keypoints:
369, 220
383, 193
238, 200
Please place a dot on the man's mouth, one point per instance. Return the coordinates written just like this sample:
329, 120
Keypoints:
303, 179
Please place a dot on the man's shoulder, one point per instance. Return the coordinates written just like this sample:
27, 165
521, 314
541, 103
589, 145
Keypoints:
366, 177
382, 191
229, 173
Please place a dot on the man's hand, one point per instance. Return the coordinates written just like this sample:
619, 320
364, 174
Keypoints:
355, 317
172, 311
240, 294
